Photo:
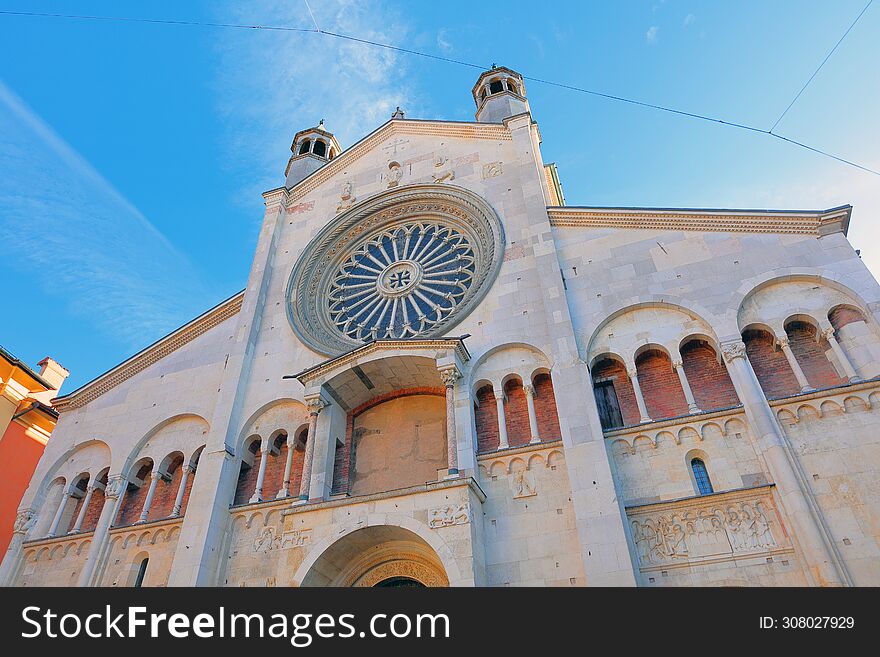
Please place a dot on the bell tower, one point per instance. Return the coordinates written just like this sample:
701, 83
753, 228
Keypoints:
311, 149
499, 93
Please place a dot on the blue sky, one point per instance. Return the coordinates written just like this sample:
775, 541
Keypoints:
132, 156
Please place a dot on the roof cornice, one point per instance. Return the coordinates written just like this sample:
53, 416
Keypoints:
143, 359
395, 127
801, 222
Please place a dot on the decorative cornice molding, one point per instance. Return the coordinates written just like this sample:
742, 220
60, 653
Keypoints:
427, 487
818, 222
699, 500
395, 127
344, 360
155, 352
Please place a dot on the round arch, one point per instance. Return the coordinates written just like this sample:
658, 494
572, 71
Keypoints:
404, 529
540, 361
135, 453
740, 300
54, 471
247, 428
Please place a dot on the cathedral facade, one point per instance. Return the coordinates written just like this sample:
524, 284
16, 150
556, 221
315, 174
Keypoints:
441, 375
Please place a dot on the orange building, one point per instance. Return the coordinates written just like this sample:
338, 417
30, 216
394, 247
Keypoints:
26, 422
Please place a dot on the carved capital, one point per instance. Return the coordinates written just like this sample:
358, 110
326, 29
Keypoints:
828, 334
115, 486
529, 389
315, 405
24, 520
632, 373
733, 350
782, 342
449, 376
676, 364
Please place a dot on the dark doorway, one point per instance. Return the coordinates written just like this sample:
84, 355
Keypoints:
400, 583
609, 407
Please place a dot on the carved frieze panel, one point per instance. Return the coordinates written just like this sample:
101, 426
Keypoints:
449, 515
716, 527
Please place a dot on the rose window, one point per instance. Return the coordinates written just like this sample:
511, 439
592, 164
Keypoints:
408, 263
401, 282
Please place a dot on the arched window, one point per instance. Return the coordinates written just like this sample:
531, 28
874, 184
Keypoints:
496, 87
304, 147
701, 476
142, 570
511, 86
320, 148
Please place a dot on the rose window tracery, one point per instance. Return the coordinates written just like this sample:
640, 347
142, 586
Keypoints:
401, 282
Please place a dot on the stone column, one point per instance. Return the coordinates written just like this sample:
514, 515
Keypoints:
824, 563
25, 519
114, 493
529, 390
181, 489
265, 447
77, 527
844, 360
640, 400
288, 469
53, 528
685, 386
795, 366
449, 376
151, 491
315, 406
502, 423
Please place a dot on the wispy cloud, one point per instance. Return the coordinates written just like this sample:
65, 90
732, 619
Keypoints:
443, 41
71, 233
272, 84
690, 19
652, 35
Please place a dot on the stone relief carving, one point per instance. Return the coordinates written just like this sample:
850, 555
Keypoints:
733, 350
296, 538
271, 539
733, 528
442, 172
346, 199
395, 173
24, 521
492, 169
449, 515
523, 484
427, 575
115, 486
449, 375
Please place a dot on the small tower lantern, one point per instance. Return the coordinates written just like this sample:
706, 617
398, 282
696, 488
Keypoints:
499, 93
311, 149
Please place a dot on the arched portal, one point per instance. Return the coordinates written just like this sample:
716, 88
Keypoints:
382, 555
